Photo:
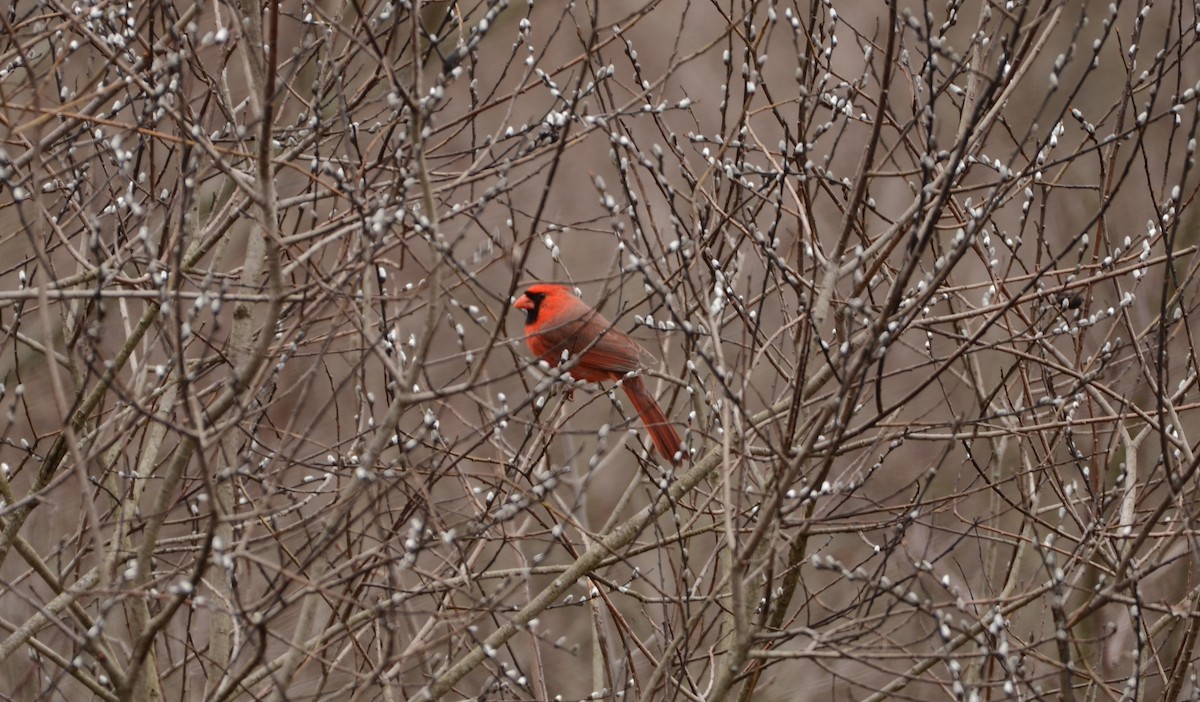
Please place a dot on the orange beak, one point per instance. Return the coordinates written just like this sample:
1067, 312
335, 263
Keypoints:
523, 303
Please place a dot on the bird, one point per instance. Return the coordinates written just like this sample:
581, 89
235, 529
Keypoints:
557, 321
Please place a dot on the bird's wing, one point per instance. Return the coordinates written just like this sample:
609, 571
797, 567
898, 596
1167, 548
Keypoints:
613, 351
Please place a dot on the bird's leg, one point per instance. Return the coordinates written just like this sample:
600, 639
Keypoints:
568, 387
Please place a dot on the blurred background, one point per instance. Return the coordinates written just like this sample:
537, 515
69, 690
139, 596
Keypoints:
916, 281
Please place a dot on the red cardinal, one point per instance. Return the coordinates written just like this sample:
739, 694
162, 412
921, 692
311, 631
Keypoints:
556, 320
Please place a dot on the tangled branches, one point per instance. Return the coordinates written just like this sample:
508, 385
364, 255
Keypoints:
918, 280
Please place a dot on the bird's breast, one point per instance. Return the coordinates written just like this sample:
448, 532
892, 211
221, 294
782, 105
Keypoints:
541, 347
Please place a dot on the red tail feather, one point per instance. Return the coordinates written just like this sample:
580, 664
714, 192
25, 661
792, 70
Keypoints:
664, 436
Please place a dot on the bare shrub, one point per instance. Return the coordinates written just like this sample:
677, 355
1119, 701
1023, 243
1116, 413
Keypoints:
918, 279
